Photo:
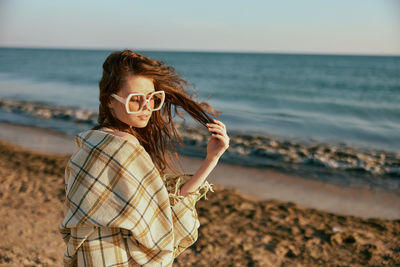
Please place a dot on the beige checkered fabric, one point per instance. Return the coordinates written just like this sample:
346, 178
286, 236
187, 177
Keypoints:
119, 211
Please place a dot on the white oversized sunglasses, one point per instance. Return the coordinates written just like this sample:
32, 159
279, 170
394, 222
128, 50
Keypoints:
135, 102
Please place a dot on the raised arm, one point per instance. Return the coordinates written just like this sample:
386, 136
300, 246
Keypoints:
217, 144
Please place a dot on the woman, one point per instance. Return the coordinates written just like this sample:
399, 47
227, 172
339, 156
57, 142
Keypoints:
122, 207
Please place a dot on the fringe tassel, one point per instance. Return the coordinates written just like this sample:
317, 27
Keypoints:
174, 183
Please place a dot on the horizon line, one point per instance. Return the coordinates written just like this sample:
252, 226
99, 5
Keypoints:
204, 51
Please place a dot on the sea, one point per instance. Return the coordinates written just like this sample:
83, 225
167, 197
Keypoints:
334, 118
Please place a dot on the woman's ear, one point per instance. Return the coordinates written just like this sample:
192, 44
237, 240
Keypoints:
110, 106
110, 103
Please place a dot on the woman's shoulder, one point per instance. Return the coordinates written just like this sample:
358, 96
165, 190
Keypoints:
126, 136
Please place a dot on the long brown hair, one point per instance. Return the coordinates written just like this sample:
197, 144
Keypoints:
160, 131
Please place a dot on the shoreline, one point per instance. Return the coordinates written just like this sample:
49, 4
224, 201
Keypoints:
343, 162
254, 183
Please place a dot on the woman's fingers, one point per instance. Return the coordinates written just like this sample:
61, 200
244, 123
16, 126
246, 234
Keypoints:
218, 127
219, 123
219, 134
217, 130
223, 139
215, 125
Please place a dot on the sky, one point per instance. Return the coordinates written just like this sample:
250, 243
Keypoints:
284, 26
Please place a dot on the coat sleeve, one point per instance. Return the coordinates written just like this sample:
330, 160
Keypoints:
185, 217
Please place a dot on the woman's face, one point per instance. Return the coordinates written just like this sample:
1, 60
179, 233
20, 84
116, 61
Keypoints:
133, 84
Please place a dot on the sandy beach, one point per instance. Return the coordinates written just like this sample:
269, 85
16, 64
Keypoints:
254, 217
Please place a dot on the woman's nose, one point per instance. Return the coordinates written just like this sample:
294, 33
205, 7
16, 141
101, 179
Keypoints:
146, 105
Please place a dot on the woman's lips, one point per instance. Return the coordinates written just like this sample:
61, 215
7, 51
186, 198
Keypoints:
144, 117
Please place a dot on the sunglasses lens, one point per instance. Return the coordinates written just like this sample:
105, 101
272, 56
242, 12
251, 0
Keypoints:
157, 100
137, 102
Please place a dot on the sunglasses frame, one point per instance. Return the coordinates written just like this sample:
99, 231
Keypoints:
147, 101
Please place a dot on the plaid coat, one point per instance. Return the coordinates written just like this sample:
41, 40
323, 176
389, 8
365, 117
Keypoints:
119, 211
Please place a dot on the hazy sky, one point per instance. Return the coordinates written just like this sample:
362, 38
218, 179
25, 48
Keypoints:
308, 26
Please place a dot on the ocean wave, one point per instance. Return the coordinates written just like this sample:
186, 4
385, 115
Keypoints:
252, 150
340, 157
48, 111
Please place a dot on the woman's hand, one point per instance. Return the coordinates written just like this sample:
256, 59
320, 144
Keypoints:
219, 140
217, 144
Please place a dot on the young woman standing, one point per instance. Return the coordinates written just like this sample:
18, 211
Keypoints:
122, 207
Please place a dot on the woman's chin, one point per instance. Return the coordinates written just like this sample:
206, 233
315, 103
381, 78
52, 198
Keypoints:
140, 124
